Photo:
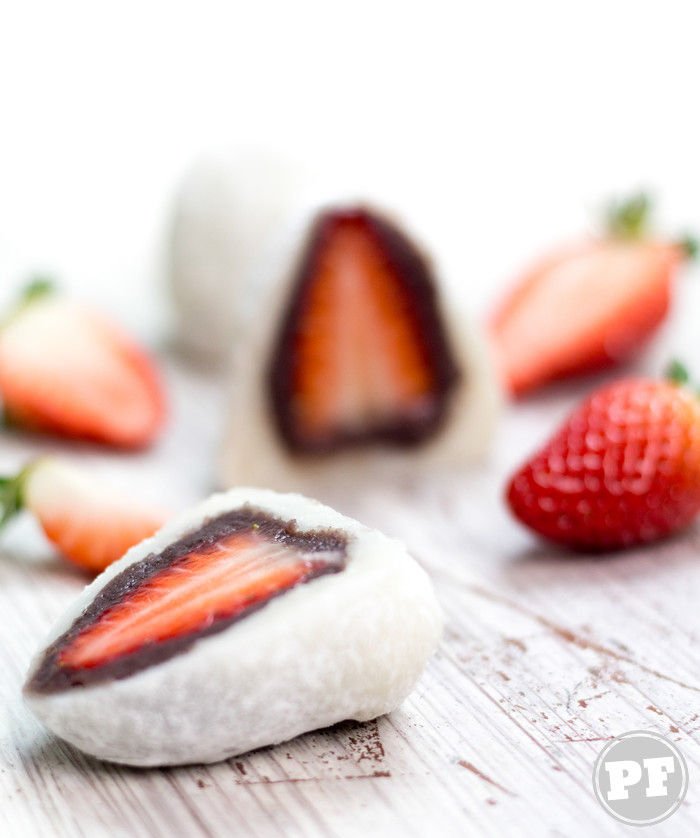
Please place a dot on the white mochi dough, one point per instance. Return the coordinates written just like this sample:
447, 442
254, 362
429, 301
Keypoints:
228, 213
348, 645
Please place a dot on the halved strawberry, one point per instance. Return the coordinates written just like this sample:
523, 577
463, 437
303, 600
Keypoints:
587, 306
231, 565
219, 582
91, 525
362, 354
65, 369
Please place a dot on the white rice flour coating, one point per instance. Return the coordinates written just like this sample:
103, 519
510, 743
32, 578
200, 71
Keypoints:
349, 645
229, 210
253, 452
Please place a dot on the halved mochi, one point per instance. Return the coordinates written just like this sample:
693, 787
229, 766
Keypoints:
355, 363
251, 619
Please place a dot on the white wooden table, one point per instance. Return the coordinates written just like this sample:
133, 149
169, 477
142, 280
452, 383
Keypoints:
545, 657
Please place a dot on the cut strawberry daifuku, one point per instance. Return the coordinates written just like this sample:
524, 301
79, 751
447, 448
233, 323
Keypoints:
357, 365
361, 354
231, 566
248, 620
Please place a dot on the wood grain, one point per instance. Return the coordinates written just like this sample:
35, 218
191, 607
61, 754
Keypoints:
544, 659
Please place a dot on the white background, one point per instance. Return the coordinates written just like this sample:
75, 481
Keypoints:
501, 126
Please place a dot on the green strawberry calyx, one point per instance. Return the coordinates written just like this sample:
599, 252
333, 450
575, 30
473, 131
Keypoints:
689, 245
12, 496
677, 373
38, 288
629, 220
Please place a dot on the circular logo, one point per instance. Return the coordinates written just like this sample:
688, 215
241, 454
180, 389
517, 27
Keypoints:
640, 778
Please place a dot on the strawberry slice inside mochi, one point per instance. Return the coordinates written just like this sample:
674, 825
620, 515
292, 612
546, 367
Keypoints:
157, 607
362, 355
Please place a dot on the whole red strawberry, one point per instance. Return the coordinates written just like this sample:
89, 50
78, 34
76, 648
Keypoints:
624, 469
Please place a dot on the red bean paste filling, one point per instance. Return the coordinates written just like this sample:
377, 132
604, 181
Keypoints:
52, 675
412, 273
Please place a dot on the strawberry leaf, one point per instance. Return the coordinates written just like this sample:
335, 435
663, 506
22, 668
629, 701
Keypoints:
10, 497
677, 373
629, 219
38, 286
689, 245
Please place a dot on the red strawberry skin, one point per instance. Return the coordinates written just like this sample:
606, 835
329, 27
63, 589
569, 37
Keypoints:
66, 370
582, 309
624, 469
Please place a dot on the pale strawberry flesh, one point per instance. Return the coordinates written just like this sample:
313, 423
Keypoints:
362, 354
90, 524
66, 370
583, 309
231, 566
